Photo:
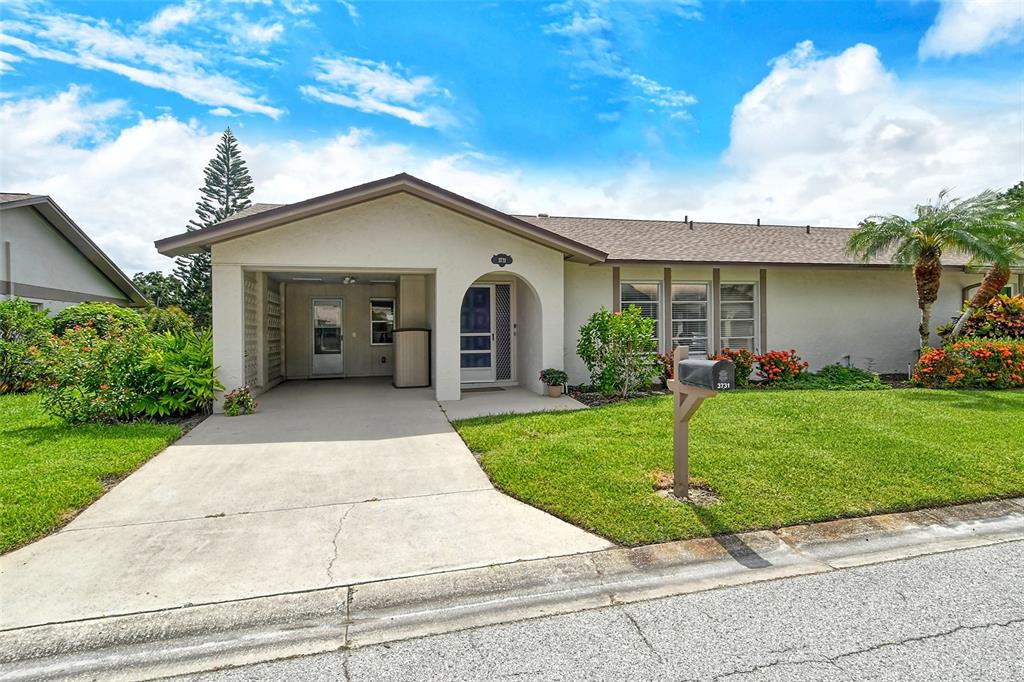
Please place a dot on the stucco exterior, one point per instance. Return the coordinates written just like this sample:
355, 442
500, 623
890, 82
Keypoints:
40, 265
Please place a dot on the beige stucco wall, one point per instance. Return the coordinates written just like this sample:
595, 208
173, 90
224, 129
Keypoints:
587, 288
360, 358
396, 233
42, 257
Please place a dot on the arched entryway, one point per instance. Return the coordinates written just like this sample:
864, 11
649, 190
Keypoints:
500, 333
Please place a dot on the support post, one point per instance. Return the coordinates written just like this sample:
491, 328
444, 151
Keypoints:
685, 401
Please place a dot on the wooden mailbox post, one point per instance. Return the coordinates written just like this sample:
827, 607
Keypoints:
686, 398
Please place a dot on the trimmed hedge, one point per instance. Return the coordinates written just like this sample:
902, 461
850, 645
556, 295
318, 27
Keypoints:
973, 363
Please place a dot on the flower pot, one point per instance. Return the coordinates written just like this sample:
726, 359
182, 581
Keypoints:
555, 391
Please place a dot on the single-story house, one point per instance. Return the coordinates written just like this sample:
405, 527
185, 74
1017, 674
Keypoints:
323, 288
46, 259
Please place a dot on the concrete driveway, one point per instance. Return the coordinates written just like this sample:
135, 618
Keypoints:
331, 483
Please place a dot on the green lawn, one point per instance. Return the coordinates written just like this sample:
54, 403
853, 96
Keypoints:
775, 458
49, 471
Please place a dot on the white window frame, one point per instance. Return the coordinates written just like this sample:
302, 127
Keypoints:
659, 301
394, 312
709, 317
755, 342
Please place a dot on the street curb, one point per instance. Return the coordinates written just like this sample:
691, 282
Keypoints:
195, 638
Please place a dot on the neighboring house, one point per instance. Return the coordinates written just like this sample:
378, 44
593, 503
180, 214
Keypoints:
314, 288
46, 259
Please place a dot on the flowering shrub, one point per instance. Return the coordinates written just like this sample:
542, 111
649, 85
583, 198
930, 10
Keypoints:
619, 350
663, 363
105, 318
777, 366
90, 377
973, 363
21, 328
239, 401
1001, 318
744, 361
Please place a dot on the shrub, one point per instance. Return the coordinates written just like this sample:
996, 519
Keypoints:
972, 363
1000, 318
837, 378
21, 328
777, 366
665, 367
619, 350
744, 361
169, 319
105, 318
239, 401
95, 378
184, 375
553, 377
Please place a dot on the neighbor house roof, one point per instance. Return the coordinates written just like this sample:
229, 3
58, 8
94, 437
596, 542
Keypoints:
60, 220
260, 217
674, 241
612, 240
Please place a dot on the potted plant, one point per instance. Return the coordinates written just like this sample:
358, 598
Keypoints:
555, 380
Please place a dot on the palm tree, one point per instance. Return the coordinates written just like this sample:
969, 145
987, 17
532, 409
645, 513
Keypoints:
1009, 243
947, 224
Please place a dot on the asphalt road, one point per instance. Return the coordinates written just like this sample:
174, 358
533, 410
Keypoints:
952, 616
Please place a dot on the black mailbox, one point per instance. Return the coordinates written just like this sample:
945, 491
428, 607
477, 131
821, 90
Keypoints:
716, 375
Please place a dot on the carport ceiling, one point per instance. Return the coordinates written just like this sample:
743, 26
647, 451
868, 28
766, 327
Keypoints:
333, 278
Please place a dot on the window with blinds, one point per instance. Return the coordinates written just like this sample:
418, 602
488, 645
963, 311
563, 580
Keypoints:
690, 308
644, 295
738, 306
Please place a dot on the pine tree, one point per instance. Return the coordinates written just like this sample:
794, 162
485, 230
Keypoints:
226, 191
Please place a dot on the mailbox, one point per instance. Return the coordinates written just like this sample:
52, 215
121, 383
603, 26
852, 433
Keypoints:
714, 375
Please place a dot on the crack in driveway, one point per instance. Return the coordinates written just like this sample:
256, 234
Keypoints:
334, 544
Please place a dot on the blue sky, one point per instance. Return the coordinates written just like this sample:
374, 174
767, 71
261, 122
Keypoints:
795, 112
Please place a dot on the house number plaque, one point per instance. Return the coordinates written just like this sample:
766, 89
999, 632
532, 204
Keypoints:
501, 259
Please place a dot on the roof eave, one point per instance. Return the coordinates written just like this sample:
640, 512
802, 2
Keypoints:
190, 242
56, 216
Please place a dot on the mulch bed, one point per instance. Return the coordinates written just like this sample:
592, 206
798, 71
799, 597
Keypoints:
594, 399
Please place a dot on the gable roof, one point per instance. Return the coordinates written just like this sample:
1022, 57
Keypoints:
60, 220
259, 217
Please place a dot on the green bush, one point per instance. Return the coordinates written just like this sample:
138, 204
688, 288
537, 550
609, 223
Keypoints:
184, 378
553, 377
105, 318
169, 319
21, 328
619, 350
95, 378
972, 363
744, 361
836, 378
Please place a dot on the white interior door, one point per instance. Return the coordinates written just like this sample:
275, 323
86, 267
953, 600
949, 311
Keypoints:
328, 337
476, 340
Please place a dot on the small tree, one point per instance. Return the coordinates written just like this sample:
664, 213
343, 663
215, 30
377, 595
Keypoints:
20, 329
159, 289
619, 350
226, 191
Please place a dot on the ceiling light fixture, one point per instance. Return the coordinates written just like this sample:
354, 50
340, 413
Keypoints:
348, 279
307, 279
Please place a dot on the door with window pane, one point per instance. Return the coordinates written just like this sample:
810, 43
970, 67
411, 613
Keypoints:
690, 316
328, 335
738, 307
476, 334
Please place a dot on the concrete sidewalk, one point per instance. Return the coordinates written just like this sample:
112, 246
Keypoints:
331, 483
179, 641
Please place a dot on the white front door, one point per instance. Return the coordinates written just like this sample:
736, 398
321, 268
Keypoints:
328, 337
476, 340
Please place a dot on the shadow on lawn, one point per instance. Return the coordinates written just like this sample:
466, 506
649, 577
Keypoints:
743, 553
969, 399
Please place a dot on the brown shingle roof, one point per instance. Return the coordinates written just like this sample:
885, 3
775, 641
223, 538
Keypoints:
625, 239
14, 196
250, 210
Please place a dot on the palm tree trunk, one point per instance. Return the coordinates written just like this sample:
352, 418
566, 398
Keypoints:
927, 274
995, 279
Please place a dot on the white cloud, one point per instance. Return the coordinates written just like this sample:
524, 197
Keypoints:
377, 88
969, 26
821, 139
7, 59
255, 34
172, 17
350, 7
591, 28
149, 61
222, 111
